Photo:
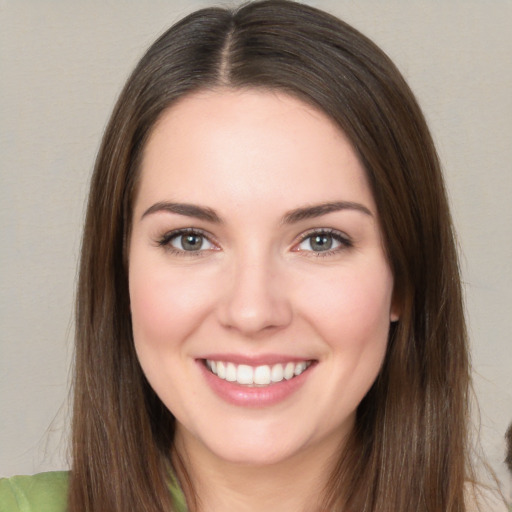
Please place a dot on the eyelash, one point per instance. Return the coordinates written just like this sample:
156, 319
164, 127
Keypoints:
165, 241
338, 236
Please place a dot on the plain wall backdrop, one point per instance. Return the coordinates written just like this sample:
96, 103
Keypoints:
62, 64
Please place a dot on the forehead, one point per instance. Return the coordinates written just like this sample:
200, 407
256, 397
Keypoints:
247, 146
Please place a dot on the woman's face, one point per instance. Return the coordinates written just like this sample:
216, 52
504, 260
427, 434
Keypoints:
260, 293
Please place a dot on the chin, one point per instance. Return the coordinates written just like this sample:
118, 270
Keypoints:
254, 454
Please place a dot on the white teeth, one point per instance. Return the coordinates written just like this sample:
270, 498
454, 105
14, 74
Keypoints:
289, 371
230, 372
300, 368
221, 370
277, 373
262, 375
245, 374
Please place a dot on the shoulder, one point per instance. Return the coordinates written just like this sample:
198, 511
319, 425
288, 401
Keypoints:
42, 492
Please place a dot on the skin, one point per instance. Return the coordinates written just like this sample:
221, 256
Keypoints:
257, 286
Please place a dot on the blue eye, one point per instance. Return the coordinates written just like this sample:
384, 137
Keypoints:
183, 241
323, 241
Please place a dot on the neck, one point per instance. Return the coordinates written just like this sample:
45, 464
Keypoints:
295, 484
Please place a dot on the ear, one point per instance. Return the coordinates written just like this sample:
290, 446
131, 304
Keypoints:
396, 308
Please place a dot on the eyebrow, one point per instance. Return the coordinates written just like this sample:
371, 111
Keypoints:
310, 212
290, 217
188, 210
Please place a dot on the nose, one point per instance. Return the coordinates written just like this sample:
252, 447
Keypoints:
256, 298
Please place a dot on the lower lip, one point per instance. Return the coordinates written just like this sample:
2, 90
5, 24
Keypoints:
246, 396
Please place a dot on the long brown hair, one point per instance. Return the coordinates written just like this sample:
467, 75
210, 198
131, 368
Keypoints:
409, 448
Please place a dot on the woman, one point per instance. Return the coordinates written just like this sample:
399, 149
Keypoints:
269, 311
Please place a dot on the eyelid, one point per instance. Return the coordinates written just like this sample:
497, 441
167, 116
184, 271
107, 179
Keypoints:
339, 236
165, 241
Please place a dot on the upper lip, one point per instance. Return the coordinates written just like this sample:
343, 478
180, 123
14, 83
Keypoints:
257, 360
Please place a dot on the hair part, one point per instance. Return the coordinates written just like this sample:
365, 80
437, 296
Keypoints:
409, 448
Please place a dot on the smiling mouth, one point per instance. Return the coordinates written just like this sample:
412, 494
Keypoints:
256, 376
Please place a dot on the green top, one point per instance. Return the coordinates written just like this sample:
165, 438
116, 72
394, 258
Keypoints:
48, 492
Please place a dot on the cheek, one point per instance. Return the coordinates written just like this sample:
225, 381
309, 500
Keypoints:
167, 304
351, 308
351, 315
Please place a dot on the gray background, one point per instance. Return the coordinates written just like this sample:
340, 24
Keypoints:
62, 64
